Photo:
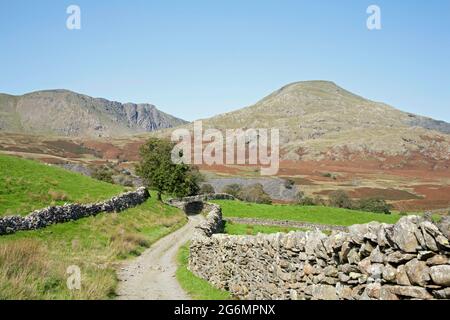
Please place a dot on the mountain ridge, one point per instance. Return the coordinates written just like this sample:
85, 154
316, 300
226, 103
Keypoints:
321, 120
62, 112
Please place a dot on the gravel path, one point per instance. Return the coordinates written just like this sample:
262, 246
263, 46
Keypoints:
151, 276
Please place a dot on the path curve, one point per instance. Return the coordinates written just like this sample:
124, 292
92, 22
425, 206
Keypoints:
151, 276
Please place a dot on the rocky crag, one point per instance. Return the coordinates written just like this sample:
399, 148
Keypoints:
408, 260
70, 114
69, 212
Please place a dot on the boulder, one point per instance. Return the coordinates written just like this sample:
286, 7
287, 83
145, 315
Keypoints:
403, 234
373, 291
438, 260
386, 294
324, 292
418, 272
410, 292
398, 257
444, 226
441, 275
344, 292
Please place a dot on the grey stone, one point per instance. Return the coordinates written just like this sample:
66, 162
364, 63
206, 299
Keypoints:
324, 292
398, 257
389, 273
344, 292
386, 294
403, 234
376, 256
353, 256
441, 275
444, 226
410, 291
438, 260
402, 277
418, 272
442, 294
373, 291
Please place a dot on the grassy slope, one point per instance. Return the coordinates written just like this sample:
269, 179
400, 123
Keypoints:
33, 264
321, 215
197, 288
27, 185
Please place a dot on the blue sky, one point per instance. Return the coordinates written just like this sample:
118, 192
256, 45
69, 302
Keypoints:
198, 58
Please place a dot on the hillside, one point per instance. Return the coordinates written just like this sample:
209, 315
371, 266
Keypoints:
66, 113
319, 120
28, 185
34, 264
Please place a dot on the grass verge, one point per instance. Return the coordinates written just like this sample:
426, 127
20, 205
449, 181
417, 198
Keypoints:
320, 215
33, 264
196, 287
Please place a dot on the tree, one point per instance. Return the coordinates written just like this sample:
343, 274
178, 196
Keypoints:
254, 193
340, 199
207, 189
374, 205
161, 174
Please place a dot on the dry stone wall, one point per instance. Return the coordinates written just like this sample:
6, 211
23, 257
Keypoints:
69, 212
197, 204
408, 260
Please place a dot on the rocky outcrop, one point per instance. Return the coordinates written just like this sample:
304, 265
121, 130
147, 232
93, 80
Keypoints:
69, 212
375, 261
70, 114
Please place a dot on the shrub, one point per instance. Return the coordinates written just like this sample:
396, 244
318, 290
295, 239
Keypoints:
103, 174
289, 184
254, 193
329, 175
302, 200
374, 205
232, 189
319, 201
206, 188
307, 201
124, 181
340, 199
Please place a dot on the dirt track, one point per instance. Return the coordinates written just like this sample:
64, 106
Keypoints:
151, 276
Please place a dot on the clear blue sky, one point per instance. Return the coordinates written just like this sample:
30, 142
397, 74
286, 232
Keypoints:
198, 58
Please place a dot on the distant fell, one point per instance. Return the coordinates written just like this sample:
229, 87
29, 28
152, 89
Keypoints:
67, 113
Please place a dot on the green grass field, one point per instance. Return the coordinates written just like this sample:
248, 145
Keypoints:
27, 185
197, 288
321, 215
247, 229
33, 264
